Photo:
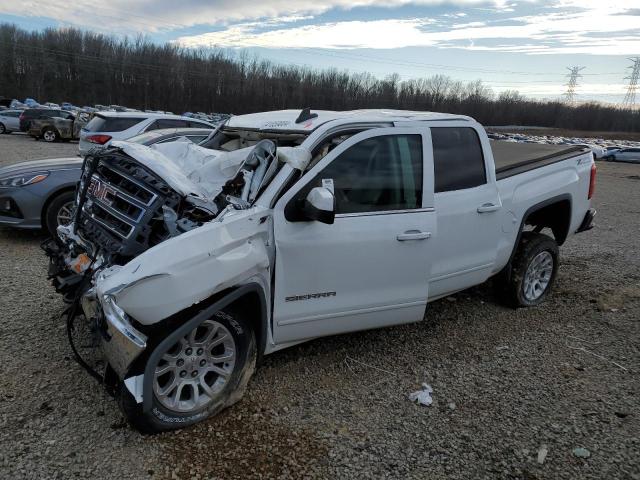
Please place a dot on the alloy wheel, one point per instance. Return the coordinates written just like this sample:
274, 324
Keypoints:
538, 276
192, 373
65, 214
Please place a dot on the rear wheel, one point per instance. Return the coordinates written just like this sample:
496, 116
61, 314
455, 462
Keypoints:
59, 212
204, 372
533, 271
50, 135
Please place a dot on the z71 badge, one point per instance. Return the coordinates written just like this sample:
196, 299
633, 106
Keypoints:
309, 296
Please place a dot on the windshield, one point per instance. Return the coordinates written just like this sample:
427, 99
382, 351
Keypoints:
229, 139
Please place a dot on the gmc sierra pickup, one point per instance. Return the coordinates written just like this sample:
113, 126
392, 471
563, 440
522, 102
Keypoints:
191, 262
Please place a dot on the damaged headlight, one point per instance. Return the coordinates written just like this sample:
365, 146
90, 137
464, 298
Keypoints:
112, 311
118, 319
23, 179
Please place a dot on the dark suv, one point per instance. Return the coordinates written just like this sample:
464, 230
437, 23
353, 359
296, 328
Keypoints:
33, 113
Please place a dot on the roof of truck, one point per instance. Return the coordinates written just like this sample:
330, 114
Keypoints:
285, 120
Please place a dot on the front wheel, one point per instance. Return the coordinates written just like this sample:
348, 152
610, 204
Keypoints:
204, 372
59, 212
533, 271
3, 129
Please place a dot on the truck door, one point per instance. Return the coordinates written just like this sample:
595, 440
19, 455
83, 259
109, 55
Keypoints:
468, 206
370, 267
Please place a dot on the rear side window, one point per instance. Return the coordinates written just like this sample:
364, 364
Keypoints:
457, 158
111, 124
192, 124
377, 174
167, 123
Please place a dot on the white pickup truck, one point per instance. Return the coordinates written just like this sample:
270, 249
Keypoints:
192, 261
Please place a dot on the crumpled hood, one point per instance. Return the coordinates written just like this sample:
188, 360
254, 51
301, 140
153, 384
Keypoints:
188, 269
202, 172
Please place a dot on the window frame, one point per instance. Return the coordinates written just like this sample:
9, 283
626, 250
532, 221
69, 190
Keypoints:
288, 200
485, 146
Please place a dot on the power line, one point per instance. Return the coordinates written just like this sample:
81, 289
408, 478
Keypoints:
630, 97
574, 75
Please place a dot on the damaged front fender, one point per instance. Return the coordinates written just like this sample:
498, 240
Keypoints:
188, 269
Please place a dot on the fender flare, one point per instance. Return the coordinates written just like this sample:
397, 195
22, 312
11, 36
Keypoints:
527, 213
172, 338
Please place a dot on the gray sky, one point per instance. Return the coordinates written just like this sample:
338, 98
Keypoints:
517, 45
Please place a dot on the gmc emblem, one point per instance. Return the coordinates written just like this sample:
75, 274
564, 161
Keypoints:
101, 191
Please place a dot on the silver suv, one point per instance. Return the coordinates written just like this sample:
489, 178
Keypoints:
107, 126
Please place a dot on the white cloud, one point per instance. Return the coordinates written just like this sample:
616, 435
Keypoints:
153, 15
601, 29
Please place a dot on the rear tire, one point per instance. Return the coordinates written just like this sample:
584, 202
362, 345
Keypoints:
50, 135
174, 410
533, 271
58, 209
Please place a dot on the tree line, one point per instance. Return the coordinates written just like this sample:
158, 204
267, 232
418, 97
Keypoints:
87, 68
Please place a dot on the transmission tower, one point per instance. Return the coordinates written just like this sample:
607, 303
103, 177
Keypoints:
630, 97
573, 75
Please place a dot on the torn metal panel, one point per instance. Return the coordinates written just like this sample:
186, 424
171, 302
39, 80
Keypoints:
187, 269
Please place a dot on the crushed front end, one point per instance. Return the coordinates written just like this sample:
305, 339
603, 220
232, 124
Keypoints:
123, 208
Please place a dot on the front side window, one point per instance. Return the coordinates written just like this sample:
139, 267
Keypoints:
458, 160
377, 174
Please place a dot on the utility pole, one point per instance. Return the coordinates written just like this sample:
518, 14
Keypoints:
630, 97
574, 75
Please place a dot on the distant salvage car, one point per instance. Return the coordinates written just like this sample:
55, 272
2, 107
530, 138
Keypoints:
52, 129
630, 155
39, 194
35, 113
10, 121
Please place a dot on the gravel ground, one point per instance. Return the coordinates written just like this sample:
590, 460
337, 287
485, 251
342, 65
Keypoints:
507, 384
19, 147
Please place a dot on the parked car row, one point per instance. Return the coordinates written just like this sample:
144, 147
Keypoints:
609, 150
30, 103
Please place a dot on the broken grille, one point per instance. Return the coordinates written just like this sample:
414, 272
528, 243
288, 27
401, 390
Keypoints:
117, 201
122, 209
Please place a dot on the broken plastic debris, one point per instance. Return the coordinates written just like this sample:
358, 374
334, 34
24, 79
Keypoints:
542, 454
581, 452
422, 397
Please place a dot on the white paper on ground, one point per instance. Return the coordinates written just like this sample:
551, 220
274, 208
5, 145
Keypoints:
422, 397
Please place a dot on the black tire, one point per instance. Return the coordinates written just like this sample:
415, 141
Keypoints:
162, 419
511, 287
50, 135
53, 209
3, 129
608, 158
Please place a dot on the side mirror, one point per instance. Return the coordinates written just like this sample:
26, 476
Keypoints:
320, 205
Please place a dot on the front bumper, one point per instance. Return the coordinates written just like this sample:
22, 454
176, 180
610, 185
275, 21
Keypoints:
120, 342
20, 208
587, 222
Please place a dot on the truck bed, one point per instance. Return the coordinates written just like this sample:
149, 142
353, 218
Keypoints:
512, 158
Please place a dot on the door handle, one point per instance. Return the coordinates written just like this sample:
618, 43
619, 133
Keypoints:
488, 207
413, 235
